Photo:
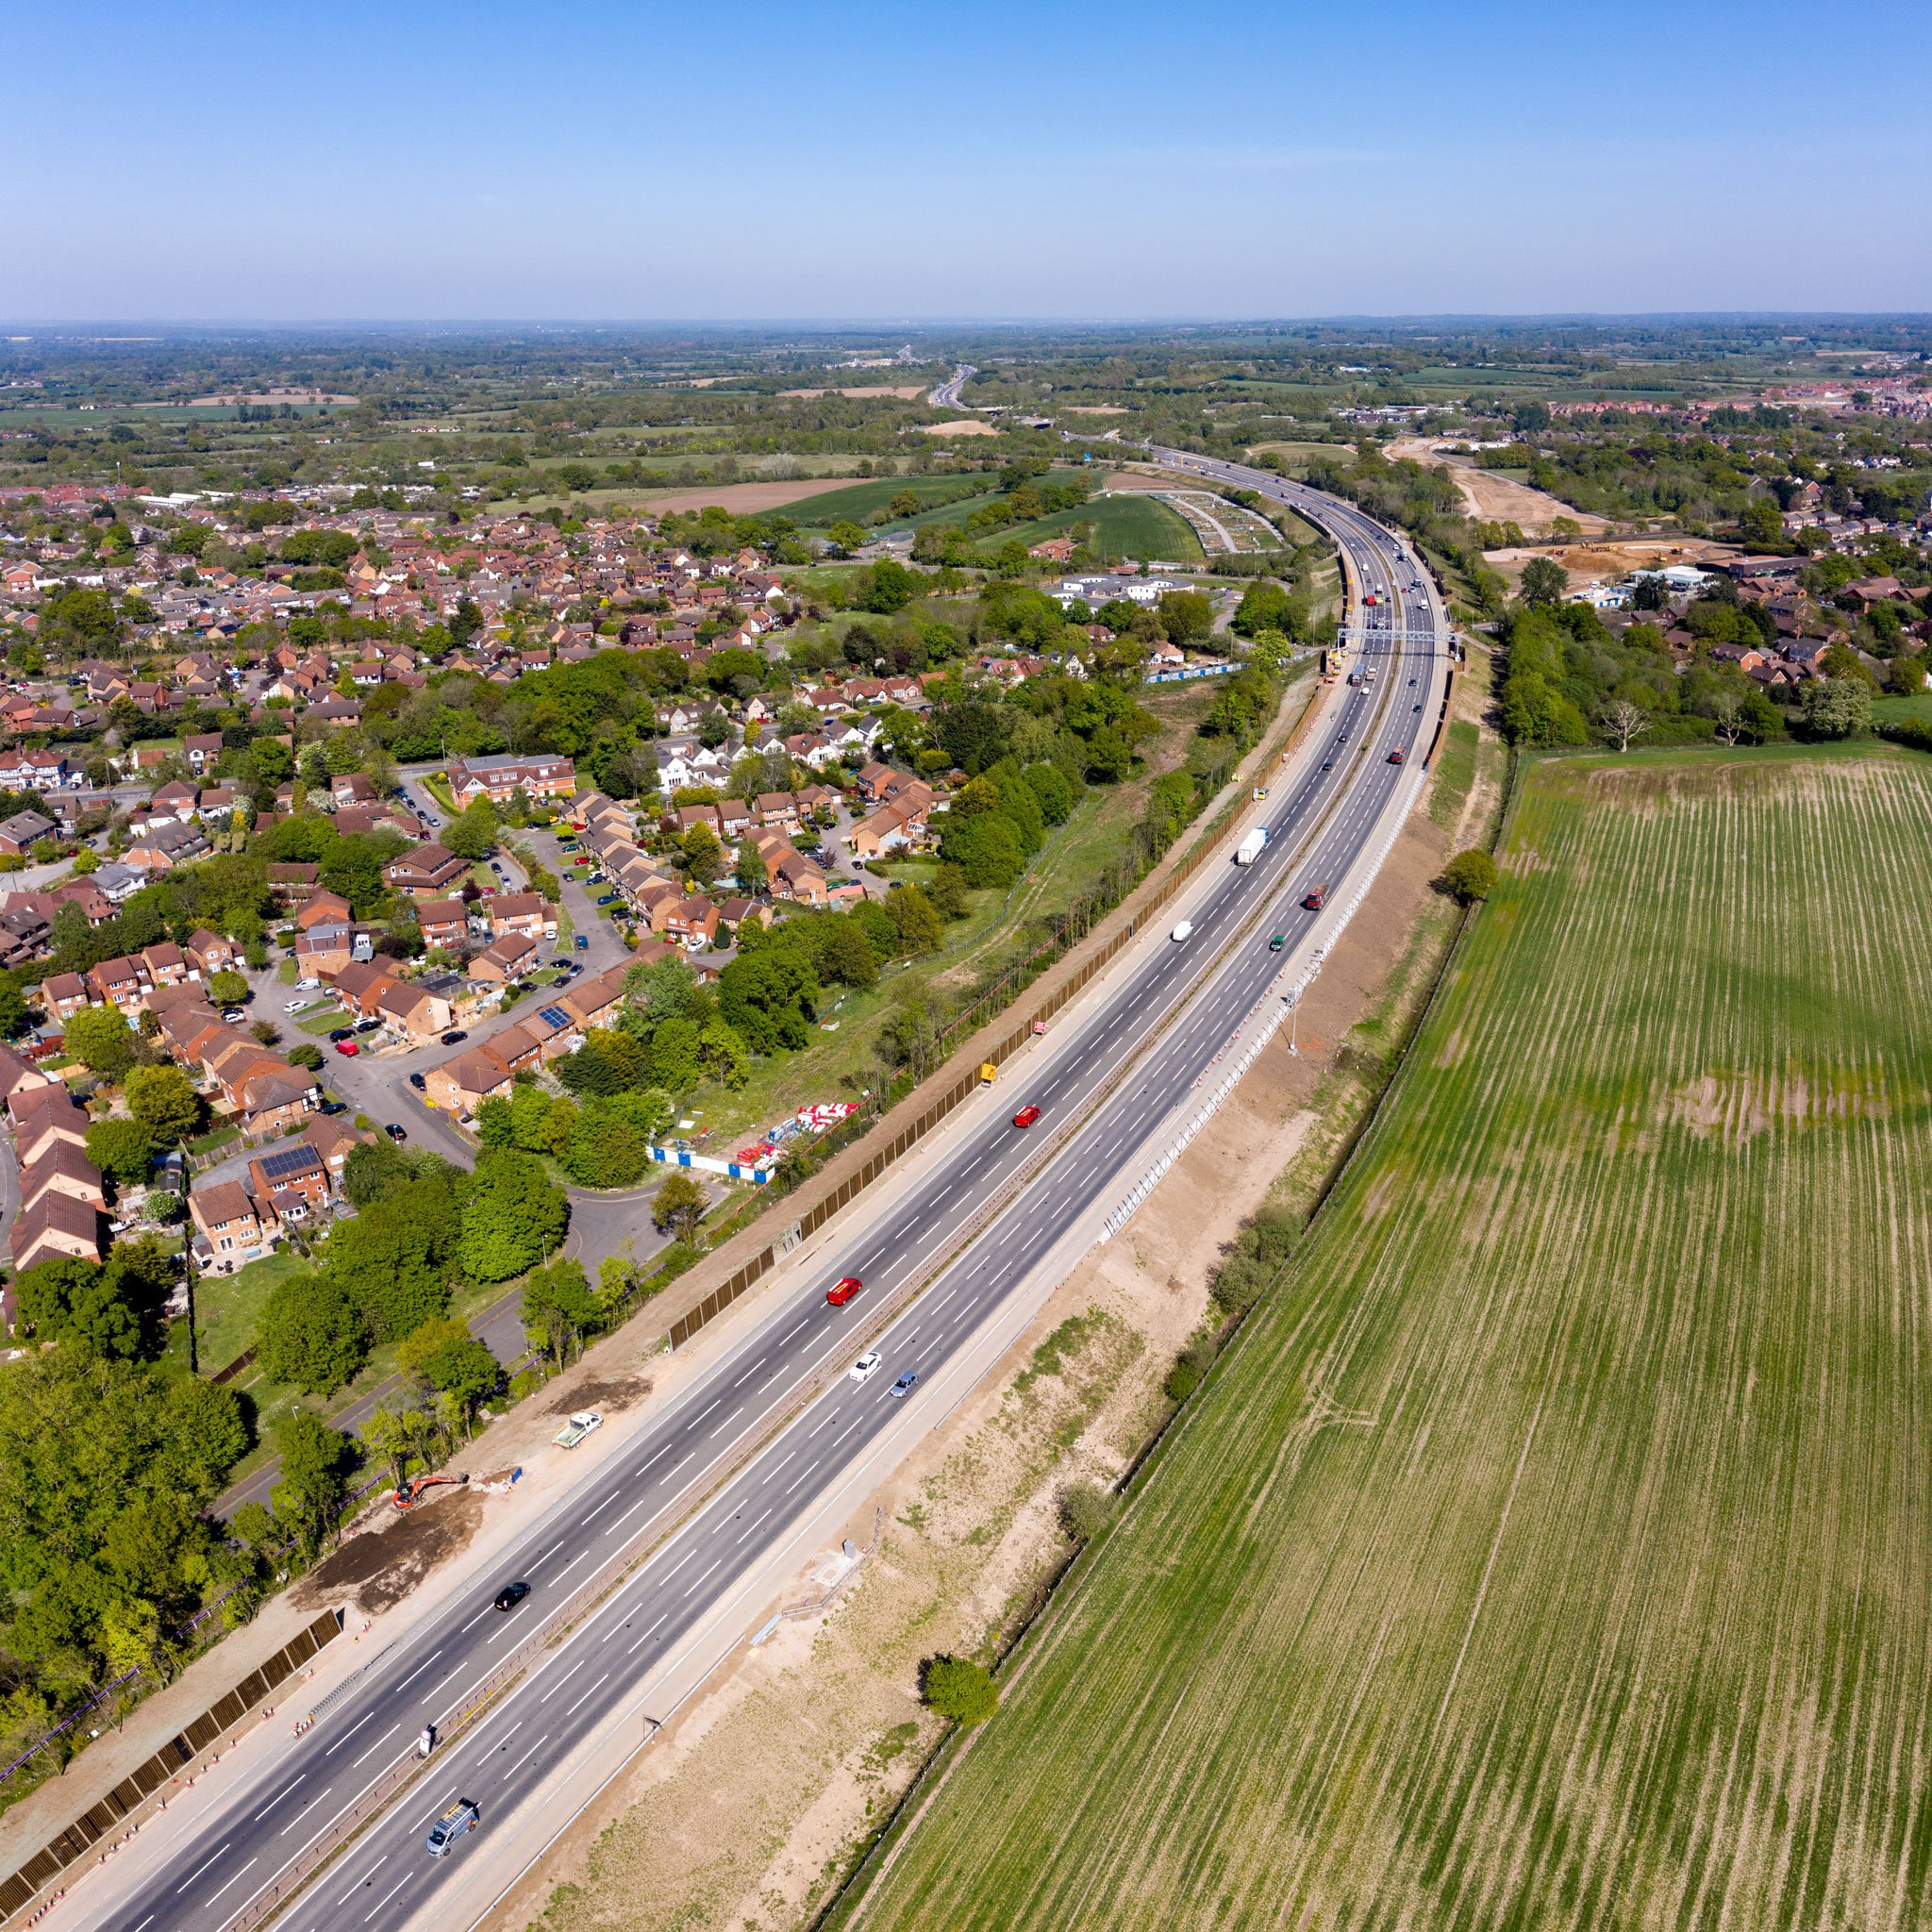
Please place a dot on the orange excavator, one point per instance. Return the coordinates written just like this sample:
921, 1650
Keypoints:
413, 1491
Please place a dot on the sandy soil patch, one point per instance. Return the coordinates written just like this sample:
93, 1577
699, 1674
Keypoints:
377, 1567
1495, 497
970, 428
903, 391
746, 1810
1606, 561
606, 1394
1093, 409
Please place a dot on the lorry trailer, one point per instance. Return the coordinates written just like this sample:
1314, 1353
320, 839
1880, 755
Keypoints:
1252, 846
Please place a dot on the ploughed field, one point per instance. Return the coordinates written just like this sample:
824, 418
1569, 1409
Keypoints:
1555, 1547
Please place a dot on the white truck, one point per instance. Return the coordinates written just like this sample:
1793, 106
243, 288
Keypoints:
579, 1427
1251, 847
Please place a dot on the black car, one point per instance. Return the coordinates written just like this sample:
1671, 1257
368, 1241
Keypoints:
396, 1133
454, 1039
511, 1594
343, 1033
332, 1107
417, 1081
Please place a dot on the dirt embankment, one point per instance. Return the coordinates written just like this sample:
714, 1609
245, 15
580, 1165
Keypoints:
748, 1809
1496, 498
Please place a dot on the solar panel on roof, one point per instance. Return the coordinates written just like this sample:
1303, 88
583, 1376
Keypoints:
286, 1162
556, 1015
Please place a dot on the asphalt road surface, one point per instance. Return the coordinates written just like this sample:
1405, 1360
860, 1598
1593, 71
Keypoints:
387, 1876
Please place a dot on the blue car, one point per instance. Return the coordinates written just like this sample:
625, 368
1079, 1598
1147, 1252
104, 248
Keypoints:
583, 943
609, 899
903, 1387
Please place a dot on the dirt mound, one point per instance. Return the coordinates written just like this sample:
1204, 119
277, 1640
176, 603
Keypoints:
612, 1396
378, 1568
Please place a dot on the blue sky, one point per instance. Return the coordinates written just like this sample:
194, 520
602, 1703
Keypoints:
626, 161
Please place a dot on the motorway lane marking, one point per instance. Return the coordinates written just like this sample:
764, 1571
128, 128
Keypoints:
301, 1814
278, 1798
379, 1744
696, 1581
392, 1891
546, 1556
523, 1759
572, 1564
792, 1330
756, 1524
680, 1564
590, 1693
348, 1733
706, 1411
237, 1879
801, 1476
199, 1870
603, 1504
429, 1659
747, 1376
563, 1680
831, 1415
476, 1620
726, 1424
361, 1882
646, 1637
627, 1515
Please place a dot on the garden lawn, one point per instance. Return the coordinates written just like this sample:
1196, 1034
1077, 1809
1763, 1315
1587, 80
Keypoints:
227, 1307
1551, 1549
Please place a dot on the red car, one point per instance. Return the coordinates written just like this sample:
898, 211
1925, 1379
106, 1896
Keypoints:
1315, 899
842, 1292
1395, 757
1027, 1116
347, 1048
583, 859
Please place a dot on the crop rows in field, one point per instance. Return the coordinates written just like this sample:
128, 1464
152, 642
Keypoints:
1553, 1550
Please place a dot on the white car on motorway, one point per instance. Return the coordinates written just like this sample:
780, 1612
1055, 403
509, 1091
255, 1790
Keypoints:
865, 1368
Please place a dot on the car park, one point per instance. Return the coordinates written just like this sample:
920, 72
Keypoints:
347, 1048
457, 1822
865, 1368
843, 1290
904, 1386
394, 1132
1027, 1116
454, 1037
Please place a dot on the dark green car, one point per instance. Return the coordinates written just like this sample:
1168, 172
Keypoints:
1275, 944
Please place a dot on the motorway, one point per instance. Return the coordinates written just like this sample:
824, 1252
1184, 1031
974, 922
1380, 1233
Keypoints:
946, 396
386, 1879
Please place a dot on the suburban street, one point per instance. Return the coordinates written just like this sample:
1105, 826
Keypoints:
1167, 1012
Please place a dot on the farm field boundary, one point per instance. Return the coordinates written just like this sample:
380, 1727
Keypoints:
1549, 1550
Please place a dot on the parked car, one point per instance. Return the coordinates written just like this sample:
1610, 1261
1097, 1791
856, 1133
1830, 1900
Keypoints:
1027, 1116
903, 1387
343, 1033
609, 899
295, 1005
454, 1036
419, 1083
579, 1427
843, 1290
367, 1025
394, 1132
865, 1368
347, 1048
234, 1016
583, 943
582, 859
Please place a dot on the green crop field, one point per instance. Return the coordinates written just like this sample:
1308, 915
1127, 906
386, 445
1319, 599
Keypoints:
860, 500
1123, 526
1554, 1550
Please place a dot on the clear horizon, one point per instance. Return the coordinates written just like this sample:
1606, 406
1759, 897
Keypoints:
616, 162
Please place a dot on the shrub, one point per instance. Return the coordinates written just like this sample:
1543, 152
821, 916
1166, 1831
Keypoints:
1470, 874
1190, 1367
1085, 1509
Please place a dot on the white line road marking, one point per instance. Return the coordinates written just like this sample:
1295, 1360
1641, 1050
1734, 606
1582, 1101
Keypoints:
646, 1637
391, 1892
364, 1880
700, 1579
349, 1733
278, 1798
237, 1879
379, 1744
524, 1758
300, 1815
546, 1556
706, 1411
729, 1421
680, 1564
603, 1504
564, 1679
800, 1477
747, 1376
198, 1871
792, 1330
756, 1524
593, 1690
627, 1515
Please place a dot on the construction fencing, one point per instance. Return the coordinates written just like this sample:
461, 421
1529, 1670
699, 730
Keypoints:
165, 1767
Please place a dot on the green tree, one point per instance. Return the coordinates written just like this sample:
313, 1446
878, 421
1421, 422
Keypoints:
704, 853
846, 535
958, 1688
986, 849
101, 1041
1544, 581
513, 1216
749, 872
914, 914
471, 834
452, 1361
312, 1335
164, 1101
309, 1498
1470, 874
679, 1207
226, 989
393, 1260
557, 1303
121, 1148
1837, 707
1186, 616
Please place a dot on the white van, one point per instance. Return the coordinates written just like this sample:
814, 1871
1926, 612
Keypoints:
1183, 929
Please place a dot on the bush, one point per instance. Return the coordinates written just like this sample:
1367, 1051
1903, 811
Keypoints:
1190, 1367
1085, 1509
958, 1688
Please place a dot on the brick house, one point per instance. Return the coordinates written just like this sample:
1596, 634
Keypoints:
442, 922
527, 913
293, 1169
64, 995
119, 982
503, 958
463, 1084
541, 774
428, 872
295, 883
230, 1230
210, 951
57, 1224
